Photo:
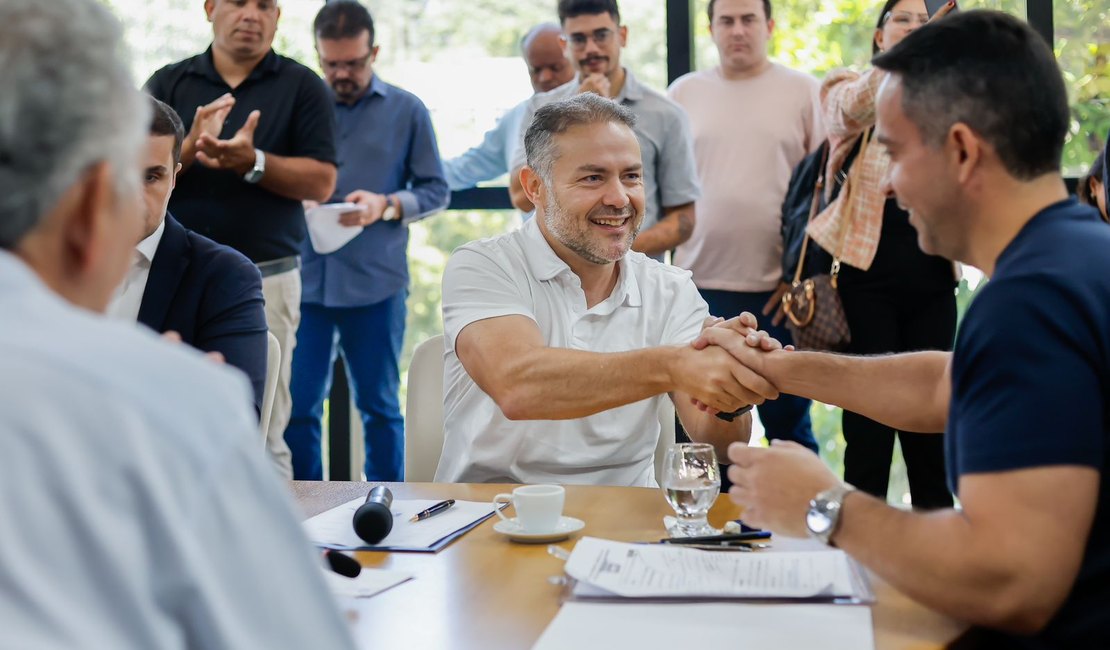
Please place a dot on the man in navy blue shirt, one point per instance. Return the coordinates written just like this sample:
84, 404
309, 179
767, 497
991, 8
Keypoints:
389, 165
974, 114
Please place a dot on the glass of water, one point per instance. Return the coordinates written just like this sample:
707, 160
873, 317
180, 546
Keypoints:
691, 483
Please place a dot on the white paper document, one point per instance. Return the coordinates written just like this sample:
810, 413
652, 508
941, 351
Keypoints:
663, 571
368, 582
658, 626
324, 230
334, 527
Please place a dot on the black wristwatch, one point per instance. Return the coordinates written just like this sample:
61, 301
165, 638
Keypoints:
729, 417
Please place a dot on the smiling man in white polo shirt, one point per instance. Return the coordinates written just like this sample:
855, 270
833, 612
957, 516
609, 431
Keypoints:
560, 341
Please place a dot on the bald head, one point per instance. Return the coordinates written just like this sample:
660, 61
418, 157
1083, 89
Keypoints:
548, 67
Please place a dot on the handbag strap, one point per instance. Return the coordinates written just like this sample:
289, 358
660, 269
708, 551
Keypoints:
818, 189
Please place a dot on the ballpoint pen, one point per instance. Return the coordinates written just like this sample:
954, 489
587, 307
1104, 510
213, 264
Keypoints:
434, 510
714, 539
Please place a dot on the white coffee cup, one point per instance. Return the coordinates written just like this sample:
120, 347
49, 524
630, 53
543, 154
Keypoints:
538, 507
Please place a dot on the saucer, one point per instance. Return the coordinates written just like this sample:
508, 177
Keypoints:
563, 530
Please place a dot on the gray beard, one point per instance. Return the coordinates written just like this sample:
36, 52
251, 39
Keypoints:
560, 225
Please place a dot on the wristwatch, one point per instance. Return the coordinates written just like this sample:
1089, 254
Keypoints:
256, 172
390, 212
729, 417
823, 516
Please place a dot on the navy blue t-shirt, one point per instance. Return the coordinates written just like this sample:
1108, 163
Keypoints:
1031, 387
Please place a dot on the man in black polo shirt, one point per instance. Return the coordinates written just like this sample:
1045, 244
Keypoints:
260, 141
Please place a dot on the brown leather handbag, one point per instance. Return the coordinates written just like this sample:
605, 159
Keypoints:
815, 315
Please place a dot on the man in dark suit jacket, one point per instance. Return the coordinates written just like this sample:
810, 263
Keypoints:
209, 294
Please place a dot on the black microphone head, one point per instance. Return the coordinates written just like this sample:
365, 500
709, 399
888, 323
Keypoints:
373, 520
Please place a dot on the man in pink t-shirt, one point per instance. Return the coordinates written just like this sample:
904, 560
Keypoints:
753, 120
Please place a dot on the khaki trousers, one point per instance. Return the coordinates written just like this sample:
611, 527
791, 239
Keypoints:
283, 314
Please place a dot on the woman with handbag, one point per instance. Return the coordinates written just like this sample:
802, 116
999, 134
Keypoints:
895, 297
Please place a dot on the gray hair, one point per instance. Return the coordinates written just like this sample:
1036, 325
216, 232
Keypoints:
558, 117
68, 102
531, 34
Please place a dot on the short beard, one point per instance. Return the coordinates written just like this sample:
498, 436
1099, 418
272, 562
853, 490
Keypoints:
346, 96
562, 226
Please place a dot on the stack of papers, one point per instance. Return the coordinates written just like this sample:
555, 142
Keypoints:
608, 570
334, 528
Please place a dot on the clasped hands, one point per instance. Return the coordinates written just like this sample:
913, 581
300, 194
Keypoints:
724, 366
774, 486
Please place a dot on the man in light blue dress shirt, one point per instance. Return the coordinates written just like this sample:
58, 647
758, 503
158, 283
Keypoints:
138, 508
389, 165
548, 68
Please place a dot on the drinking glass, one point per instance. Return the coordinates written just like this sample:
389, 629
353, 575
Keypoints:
691, 483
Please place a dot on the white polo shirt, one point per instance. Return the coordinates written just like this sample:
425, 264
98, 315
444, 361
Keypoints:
519, 274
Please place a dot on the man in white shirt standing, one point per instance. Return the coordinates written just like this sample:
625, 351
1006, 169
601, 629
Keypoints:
560, 342
753, 120
137, 507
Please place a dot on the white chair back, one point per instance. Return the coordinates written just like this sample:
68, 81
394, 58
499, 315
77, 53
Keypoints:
424, 411
273, 365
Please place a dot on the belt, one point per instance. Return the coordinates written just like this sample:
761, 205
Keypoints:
280, 265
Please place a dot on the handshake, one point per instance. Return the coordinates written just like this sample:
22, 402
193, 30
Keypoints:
726, 368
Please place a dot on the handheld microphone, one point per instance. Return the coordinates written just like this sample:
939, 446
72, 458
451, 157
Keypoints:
373, 519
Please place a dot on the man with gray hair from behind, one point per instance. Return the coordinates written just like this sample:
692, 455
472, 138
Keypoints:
136, 504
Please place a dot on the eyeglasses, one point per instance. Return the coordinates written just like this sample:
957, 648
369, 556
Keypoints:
601, 36
354, 65
905, 18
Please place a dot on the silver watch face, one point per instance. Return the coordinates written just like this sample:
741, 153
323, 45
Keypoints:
818, 520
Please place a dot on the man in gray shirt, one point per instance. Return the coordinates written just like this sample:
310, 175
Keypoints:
594, 38
138, 508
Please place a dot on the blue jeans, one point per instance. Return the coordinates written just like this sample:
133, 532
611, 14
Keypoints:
370, 339
786, 418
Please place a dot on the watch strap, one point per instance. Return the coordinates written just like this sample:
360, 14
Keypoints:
256, 172
391, 205
729, 417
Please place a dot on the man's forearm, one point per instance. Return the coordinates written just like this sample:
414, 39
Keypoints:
940, 560
301, 179
674, 228
562, 384
908, 392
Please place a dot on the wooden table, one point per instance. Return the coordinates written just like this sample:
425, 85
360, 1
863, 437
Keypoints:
488, 593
